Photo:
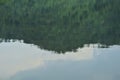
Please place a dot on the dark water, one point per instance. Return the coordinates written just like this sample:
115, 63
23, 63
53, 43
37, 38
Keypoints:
20, 61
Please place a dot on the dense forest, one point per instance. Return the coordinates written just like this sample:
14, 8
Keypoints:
61, 25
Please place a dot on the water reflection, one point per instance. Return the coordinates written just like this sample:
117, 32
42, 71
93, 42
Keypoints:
19, 61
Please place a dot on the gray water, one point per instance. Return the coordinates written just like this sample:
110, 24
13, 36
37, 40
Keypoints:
20, 61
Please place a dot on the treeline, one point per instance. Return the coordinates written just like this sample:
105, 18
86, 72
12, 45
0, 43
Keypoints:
61, 25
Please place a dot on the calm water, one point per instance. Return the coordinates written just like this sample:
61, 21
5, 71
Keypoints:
20, 61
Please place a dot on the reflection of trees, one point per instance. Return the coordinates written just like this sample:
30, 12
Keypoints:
61, 25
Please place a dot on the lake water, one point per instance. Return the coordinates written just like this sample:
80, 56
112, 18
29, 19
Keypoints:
20, 61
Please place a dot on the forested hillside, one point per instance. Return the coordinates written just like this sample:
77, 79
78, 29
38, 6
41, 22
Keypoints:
61, 25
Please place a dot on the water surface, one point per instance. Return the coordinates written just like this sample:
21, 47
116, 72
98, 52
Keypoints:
20, 61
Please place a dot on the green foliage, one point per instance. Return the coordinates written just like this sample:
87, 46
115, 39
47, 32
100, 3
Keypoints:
4, 1
61, 25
